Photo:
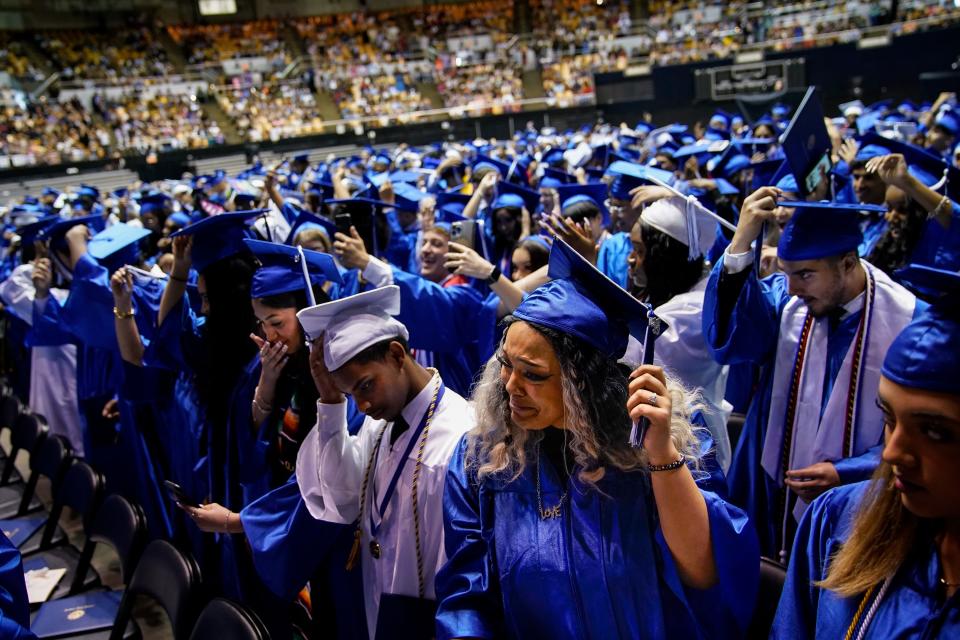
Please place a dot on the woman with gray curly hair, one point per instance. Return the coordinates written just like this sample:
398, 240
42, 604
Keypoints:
555, 527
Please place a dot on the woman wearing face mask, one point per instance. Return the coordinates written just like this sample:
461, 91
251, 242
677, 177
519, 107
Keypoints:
881, 558
554, 525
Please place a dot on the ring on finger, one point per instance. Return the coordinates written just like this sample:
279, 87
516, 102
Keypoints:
652, 400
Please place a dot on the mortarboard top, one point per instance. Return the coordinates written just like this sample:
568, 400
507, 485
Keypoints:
559, 175
153, 202
554, 158
949, 120
451, 197
87, 191
179, 218
595, 192
54, 234
529, 198
780, 109
924, 354
322, 188
764, 171
281, 270
764, 120
116, 245
806, 143
350, 325
628, 175
820, 230
725, 187
410, 176
583, 303
28, 233
49, 191
377, 179
643, 127
507, 201
699, 149
407, 197
730, 162
302, 157
219, 236
484, 162
449, 213
549, 182
307, 220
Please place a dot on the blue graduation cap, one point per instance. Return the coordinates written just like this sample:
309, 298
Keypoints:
582, 302
153, 203
88, 191
549, 182
729, 163
806, 143
930, 169
321, 188
486, 162
924, 354
409, 177
407, 197
528, 197
281, 269
54, 234
302, 157
306, 220
628, 175
244, 201
820, 230
559, 175
179, 218
219, 236
780, 110
28, 233
116, 245
553, 158
949, 120
451, 203
595, 193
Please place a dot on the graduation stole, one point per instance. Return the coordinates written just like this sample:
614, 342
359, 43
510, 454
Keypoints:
797, 436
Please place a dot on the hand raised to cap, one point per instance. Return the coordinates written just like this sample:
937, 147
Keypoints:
326, 387
892, 168
758, 207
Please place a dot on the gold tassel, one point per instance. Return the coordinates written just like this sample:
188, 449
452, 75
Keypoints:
354, 550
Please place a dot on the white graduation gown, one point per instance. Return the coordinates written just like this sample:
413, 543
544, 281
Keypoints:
330, 469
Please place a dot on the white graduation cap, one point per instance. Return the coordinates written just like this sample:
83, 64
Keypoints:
350, 325
854, 107
683, 218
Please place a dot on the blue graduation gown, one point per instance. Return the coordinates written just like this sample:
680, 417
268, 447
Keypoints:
14, 606
612, 259
601, 570
912, 607
939, 247
750, 335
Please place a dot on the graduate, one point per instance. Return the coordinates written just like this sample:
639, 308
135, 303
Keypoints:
881, 558
819, 329
554, 525
387, 481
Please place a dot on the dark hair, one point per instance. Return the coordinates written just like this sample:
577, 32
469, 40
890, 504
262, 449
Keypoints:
378, 352
295, 299
580, 211
895, 247
500, 242
539, 254
667, 265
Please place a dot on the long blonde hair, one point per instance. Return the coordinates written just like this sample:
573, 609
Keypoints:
883, 533
594, 396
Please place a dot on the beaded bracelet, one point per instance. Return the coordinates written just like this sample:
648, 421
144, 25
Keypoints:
122, 315
676, 464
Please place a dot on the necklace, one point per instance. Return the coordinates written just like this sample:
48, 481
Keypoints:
554, 511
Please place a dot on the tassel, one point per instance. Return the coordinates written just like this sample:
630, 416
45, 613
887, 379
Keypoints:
354, 551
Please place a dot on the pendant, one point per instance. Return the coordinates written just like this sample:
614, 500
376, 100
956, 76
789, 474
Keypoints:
375, 549
552, 512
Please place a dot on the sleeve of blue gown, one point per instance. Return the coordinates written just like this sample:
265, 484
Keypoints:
939, 247
178, 336
724, 610
48, 329
287, 543
859, 467
812, 547
88, 311
708, 474
441, 319
741, 315
468, 592
14, 607
612, 258
251, 441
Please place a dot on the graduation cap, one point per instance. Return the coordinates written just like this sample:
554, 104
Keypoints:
595, 193
820, 230
924, 354
153, 203
729, 163
244, 201
930, 169
28, 233
780, 110
282, 269
88, 191
321, 188
806, 143
350, 325
219, 236
559, 175
485, 162
362, 213
116, 245
306, 220
528, 197
49, 191
549, 182
628, 175
407, 197
302, 157
950, 120
852, 108
451, 202
582, 302
54, 234
764, 171
407, 177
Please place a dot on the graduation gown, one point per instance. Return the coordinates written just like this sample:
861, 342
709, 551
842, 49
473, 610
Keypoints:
747, 330
330, 471
612, 259
14, 606
601, 570
912, 607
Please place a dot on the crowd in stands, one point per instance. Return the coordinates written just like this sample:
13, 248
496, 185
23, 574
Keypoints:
205, 43
14, 59
272, 112
51, 133
112, 55
160, 123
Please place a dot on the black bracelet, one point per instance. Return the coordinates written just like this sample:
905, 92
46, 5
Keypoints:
183, 280
676, 464
494, 275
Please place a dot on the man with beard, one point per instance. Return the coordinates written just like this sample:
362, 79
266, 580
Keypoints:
819, 330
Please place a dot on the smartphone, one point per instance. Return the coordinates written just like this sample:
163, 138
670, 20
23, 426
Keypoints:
343, 221
179, 495
463, 232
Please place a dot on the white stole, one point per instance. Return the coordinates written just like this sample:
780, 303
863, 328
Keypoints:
887, 309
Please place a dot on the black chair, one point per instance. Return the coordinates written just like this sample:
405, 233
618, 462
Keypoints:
29, 434
120, 524
82, 491
772, 576
222, 618
10, 408
169, 577
26, 432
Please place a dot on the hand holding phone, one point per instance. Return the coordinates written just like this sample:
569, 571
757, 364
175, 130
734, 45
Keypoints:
179, 495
